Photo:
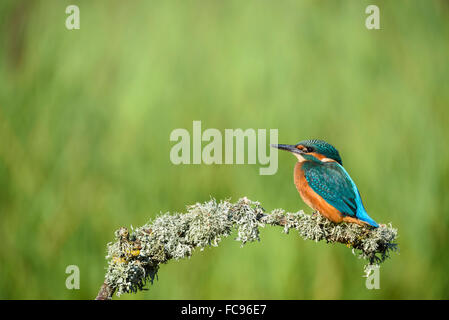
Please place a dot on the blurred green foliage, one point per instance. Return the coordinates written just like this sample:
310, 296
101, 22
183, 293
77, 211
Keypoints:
85, 119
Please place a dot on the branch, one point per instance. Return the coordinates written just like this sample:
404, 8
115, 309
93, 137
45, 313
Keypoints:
134, 259
105, 292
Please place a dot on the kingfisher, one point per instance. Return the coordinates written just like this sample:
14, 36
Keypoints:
323, 183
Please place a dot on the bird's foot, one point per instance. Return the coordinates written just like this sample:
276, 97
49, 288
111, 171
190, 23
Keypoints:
355, 220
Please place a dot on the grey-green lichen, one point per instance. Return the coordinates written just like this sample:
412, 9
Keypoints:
134, 259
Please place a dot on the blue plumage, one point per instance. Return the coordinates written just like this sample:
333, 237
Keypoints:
331, 181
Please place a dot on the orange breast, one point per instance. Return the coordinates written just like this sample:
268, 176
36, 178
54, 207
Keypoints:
312, 199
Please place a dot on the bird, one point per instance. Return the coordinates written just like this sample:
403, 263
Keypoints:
324, 184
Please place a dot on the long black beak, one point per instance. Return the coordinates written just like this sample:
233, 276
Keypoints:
287, 147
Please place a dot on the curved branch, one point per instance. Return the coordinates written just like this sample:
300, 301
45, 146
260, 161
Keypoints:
134, 259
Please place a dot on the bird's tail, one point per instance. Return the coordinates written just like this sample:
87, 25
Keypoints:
370, 221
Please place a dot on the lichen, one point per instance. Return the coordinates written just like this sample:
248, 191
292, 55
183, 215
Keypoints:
134, 259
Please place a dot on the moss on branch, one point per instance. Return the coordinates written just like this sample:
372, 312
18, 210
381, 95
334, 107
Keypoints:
135, 257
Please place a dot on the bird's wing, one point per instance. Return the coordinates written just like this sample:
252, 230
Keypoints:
334, 185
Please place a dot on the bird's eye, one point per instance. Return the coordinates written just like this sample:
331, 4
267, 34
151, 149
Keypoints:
308, 149
305, 149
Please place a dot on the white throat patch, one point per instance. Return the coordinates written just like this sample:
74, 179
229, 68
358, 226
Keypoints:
300, 157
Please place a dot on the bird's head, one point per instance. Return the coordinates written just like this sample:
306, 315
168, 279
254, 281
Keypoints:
312, 150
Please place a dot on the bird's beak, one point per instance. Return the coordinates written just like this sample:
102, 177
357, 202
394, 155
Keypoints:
287, 147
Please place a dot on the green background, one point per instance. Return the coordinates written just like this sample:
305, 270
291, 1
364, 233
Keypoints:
86, 115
